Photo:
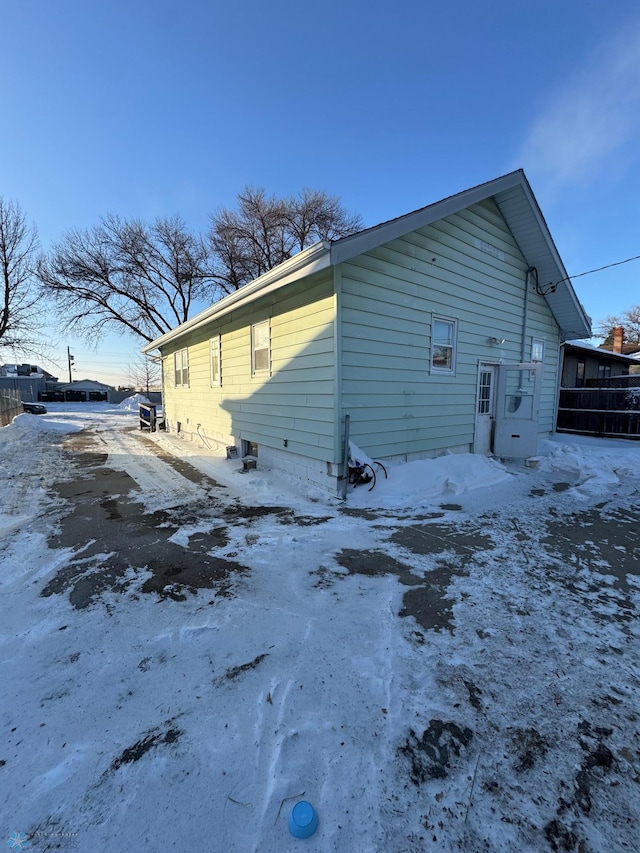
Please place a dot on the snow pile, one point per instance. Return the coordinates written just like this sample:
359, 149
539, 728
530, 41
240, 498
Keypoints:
25, 424
358, 457
591, 465
412, 484
131, 404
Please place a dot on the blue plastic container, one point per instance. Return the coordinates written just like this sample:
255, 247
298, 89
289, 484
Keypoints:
303, 820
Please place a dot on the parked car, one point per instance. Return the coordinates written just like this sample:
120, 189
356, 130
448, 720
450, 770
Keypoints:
34, 408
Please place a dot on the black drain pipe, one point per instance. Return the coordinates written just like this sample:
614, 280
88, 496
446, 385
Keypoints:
344, 479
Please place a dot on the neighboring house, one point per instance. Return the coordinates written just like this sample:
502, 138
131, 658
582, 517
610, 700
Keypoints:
436, 331
619, 345
585, 365
598, 393
29, 379
83, 390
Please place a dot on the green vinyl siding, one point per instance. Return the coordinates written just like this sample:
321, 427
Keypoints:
374, 361
466, 267
293, 402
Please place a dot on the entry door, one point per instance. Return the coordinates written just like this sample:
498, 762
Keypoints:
517, 404
485, 410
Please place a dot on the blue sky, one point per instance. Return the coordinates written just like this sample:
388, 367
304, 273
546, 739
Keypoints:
154, 108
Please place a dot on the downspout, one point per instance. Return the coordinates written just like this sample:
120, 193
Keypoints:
163, 400
341, 450
525, 325
344, 480
525, 317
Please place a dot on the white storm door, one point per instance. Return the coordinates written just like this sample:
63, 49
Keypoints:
518, 400
485, 409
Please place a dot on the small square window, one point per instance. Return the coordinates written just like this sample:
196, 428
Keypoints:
537, 350
260, 347
181, 368
216, 362
443, 345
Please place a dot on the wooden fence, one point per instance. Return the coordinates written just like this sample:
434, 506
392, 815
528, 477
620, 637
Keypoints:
611, 412
631, 381
10, 405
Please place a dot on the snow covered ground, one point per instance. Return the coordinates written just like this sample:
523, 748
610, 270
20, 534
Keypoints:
448, 662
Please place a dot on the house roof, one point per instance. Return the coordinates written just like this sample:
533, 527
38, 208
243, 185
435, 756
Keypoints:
518, 206
593, 350
83, 385
627, 349
34, 372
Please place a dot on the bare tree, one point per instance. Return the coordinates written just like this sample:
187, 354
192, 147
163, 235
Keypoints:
147, 279
129, 275
313, 215
629, 320
265, 230
18, 248
145, 374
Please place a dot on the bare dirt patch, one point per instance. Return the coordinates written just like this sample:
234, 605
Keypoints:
376, 564
151, 740
607, 541
464, 540
114, 540
235, 671
432, 754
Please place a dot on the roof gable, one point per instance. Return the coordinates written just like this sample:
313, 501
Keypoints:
519, 208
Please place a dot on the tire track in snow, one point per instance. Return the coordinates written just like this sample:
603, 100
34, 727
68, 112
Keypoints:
161, 485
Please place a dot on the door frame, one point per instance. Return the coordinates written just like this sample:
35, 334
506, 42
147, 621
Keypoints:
495, 367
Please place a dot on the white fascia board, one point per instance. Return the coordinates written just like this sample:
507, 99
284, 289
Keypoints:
593, 350
564, 281
312, 260
349, 247
585, 321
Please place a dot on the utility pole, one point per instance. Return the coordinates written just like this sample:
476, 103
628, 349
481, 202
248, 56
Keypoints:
71, 360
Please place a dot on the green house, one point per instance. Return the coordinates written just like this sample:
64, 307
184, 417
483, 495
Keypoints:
436, 331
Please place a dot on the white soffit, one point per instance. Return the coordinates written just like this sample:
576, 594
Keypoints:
526, 222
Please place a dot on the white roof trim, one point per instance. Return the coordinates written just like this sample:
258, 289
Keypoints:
349, 247
594, 350
364, 241
563, 302
312, 260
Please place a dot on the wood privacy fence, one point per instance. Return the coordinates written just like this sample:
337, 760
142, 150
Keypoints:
631, 381
613, 412
10, 405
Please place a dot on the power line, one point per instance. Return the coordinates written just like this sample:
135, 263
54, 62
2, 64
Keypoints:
118, 365
599, 269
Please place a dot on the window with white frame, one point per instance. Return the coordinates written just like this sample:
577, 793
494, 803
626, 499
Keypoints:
537, 350
181, 368
260, 347
216, 362
443, 345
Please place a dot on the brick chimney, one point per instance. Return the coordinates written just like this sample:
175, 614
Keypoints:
618, 339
